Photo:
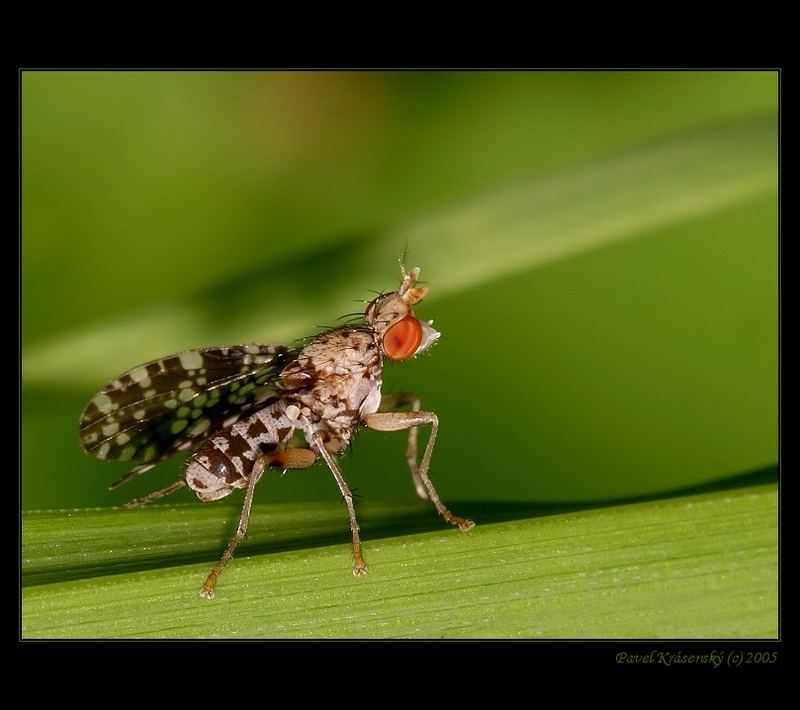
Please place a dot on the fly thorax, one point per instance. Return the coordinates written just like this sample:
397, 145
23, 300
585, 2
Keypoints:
337, 380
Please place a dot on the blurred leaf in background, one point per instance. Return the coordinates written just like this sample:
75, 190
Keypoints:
601, 250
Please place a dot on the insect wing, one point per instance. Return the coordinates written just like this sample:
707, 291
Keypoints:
167, 405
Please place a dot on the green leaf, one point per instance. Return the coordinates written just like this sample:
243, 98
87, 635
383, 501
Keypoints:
504, 232
696, 566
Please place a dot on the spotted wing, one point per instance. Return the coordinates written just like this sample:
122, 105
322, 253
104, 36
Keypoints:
169, 405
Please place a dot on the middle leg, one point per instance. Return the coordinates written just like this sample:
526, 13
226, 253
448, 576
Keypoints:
359, 567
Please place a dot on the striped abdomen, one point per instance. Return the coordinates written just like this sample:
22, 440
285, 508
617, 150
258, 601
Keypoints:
225, 461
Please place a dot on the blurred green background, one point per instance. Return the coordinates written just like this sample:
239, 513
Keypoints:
601, 250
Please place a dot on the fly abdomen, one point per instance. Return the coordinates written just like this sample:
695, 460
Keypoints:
225, 461
211, 474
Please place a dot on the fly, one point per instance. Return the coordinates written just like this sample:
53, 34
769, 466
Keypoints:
246, 408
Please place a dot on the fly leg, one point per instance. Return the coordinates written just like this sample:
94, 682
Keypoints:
207, 590
287, 458
393, 401
155, 495
135, 472
359, 568
400, 421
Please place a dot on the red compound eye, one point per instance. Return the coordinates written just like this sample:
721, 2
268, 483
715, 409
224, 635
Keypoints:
402, 339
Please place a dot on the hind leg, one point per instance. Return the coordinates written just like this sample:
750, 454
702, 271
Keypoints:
286, 458
155, 495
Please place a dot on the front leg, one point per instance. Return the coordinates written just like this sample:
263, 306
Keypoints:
400, 421
390, 402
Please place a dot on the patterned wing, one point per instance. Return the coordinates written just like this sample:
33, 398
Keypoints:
169, 405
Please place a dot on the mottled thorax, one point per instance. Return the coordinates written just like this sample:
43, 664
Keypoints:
336, 380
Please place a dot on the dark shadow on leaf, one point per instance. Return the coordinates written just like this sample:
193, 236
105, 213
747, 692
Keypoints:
503, 511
